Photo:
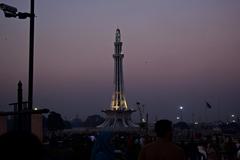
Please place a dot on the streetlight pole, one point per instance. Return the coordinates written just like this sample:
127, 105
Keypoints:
31, 56
10, 11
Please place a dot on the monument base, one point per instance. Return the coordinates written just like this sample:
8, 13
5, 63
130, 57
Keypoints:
118, 120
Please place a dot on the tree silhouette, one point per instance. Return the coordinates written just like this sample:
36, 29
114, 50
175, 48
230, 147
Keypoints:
93, 121
55, 122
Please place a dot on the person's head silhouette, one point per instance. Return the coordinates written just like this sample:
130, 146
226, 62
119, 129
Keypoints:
163, 129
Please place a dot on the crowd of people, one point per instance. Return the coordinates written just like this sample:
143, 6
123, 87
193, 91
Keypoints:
107, 145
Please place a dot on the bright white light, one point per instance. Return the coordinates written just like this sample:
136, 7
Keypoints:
35, 108
178, 118
196, 123
232, 115
181, 107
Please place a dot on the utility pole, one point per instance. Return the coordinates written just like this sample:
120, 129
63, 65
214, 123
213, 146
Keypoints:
10, 11
31, 56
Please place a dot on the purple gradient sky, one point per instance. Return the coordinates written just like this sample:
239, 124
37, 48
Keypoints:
176, 53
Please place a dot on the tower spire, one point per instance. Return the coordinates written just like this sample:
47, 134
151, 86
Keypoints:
118, 99
118, 35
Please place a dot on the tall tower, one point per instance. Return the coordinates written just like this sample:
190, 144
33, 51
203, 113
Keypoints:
118, 117
118, 98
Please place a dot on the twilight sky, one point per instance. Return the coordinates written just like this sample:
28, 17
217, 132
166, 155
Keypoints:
176, 53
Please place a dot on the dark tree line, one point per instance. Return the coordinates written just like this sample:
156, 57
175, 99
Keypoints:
55, 122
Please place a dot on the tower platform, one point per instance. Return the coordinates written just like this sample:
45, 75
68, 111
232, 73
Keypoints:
118, 120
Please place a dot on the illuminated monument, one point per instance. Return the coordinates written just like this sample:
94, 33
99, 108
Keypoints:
118, 117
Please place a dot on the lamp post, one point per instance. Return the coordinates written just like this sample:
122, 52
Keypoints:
31, 56
233, 118
181, 114
10, 11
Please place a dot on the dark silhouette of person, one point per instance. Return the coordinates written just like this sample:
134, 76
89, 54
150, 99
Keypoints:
102, 149
163, 148
230, 148
20, 145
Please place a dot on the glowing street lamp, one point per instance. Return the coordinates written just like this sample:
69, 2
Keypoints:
181, 114
233, 118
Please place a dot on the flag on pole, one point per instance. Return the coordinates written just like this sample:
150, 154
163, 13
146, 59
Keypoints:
208, 105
